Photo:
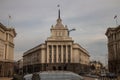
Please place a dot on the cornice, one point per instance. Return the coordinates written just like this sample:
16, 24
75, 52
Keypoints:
112, 30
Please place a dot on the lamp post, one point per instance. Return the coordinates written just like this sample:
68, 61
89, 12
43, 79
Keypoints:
70, 31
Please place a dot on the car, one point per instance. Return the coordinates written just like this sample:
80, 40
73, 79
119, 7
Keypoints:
103, 75
111, 75
53, 75
28, 77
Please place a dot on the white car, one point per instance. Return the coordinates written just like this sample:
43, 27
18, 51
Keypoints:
53, 75
28, 77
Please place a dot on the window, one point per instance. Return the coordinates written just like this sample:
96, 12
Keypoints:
61, 34
57, 33
2, 49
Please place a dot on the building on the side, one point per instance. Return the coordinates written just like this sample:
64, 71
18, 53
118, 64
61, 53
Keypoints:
18, 67
96, 67
113, 35
59, 52
7, 36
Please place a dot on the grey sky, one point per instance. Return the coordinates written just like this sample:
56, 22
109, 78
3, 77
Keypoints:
32, 20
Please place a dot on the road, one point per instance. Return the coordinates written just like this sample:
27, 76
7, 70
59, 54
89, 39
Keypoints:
89, 78
86, 78
5, 78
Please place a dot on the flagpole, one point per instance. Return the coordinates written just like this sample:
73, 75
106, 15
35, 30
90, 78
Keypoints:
9, 17
116, 20
8, 20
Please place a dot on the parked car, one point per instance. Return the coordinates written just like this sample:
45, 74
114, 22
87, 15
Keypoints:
53, 75
111, 75
81, 73
93, 76
103, 75
28, 77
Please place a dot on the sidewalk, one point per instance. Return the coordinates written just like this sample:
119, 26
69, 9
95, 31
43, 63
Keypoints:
5, 78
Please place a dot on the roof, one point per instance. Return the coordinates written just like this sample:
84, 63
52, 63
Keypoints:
112, 29
8, 29
33, 49
81, 48
2, 26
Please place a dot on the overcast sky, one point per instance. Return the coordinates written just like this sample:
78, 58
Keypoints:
32, 20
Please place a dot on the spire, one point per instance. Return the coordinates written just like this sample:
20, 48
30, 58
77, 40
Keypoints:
58, 11
59, 19
59, 14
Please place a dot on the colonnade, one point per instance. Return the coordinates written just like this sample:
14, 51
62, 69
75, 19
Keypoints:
59, 53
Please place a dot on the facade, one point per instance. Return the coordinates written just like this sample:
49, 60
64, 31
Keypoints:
18, 67
113, 35
59, 52
96, 67
6, 50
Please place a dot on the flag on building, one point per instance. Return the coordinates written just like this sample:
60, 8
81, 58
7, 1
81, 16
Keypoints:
115, 16
58, 5
9, 17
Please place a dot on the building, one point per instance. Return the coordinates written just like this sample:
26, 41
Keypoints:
113, 35
18, 67
96, 67
59, 52
7, 36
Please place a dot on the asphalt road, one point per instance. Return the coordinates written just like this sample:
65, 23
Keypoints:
89, 78
86, 78
5, 78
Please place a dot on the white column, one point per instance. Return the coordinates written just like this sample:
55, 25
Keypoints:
52, 53
7, 47
115, 50
47, 53
56, 53
7, 50
70, 53
4, 52
61, 53
66, 53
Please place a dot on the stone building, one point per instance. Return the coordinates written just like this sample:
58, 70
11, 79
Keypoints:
59, 52
18, 67
96, 67
6, 50
113, 35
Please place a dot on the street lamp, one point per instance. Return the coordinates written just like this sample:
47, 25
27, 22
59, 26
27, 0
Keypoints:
70, 31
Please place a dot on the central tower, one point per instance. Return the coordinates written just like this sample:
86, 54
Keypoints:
59, 44
59, 31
